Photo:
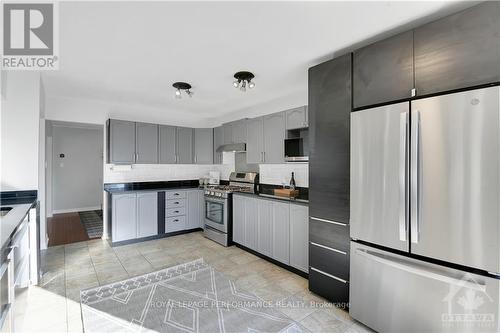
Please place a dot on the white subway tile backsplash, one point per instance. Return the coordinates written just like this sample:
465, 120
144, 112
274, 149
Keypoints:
163, 172
278, 174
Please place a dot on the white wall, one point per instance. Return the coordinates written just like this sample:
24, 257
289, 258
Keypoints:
277, 174
77, 177
97, 112
20, 121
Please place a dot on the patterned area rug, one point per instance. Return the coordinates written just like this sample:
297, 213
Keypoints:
192, 297
92, 221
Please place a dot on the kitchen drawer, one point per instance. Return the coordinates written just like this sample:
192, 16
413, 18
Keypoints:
175, 203
332, 289
175, 223
329, 260
331, 234
176, 195
178, 211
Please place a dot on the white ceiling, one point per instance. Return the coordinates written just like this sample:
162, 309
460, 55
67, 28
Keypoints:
130, 53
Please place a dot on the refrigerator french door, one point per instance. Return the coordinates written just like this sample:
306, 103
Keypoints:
425, 181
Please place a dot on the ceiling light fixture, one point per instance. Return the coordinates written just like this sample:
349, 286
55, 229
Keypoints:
243, 80
182, 86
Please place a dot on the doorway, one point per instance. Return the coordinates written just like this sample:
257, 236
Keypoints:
74, 182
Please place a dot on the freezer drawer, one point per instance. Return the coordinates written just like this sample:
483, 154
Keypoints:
392, 293
455, 178
379, 175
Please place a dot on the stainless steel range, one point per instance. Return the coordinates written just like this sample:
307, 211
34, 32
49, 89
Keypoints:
218, 205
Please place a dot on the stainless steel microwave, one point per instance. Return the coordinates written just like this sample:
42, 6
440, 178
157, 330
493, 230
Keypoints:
296, 150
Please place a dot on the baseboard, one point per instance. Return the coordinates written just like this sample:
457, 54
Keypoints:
75, 210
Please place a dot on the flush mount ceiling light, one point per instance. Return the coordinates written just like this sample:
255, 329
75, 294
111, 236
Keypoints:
182, 86
243, 80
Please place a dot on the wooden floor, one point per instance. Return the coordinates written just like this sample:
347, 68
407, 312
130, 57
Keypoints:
65, 229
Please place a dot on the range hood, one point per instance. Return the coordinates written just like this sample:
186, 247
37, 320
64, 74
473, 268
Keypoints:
235, 147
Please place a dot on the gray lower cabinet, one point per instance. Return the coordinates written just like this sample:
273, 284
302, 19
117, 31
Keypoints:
239, 129
299, 237
281, 232
147, 214
274, 228
167, 144
296, 118
121, 141
239, 219
203, 145
146, 143
255, 140
251, 223
195, 209
124, 217
184, 145
218, 141
459, 51
383, 71
274, 138
264, 227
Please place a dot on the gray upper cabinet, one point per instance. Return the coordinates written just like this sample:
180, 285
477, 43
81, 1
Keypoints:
146, 143
255, 140
121, 142
459, 51
147, 214
239, 129
184, 145
274, 138
228, 133
203, 145
218, 141
281, 232
168, 144
299, 237
296, 118
124, 217
383, 71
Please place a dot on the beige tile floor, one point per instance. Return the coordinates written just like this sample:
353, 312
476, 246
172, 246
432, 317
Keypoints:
53, 305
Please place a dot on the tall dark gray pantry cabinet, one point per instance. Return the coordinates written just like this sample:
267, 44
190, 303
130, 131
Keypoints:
329, 114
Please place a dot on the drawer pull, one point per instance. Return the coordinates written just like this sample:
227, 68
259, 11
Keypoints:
176, 220
329, 275
176, 193
177, 202
176, 211
328, 248
328, 221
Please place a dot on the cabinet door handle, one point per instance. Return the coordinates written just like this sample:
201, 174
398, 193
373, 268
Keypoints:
177, 202
176, 211
176, 220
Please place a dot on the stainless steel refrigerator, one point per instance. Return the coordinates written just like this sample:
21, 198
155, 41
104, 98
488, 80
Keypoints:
425, 214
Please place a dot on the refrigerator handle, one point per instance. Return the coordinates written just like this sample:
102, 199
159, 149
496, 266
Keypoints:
419, 270
403, 184
414, 196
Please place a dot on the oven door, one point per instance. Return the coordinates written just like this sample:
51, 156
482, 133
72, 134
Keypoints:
216, 213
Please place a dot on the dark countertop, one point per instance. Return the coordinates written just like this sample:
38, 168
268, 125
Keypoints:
275, 197
21, 202
150, 186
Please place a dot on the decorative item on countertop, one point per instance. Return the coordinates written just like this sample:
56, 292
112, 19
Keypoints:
292, 182
286, 192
